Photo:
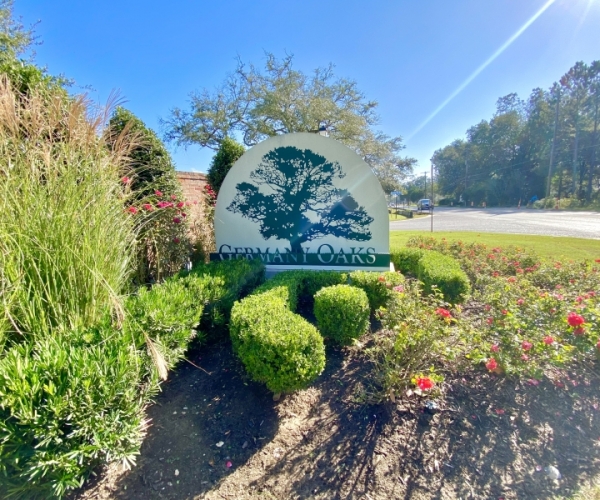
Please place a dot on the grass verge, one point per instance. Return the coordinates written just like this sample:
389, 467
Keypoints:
545, 246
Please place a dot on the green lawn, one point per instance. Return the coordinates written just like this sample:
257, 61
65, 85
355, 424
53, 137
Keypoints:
544, 246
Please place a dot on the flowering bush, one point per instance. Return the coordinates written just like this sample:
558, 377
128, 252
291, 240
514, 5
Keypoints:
163, 241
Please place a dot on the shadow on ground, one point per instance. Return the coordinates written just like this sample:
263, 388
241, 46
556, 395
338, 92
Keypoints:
489, 438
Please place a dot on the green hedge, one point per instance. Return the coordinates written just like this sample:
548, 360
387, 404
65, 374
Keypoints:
276, 346
406, 260
377, 286
443, 271
229, 281
342, 313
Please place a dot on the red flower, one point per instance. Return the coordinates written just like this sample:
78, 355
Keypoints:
173, 197
176, 240
176, 220
490, 321
579, 299
183, 214
526, 345
512, 279
520, 271
598, 344
443, 312
575, 319
597, 260
132, 210
495, 274
495, 348
548, 340
491, 365
505, 312
381, 278
148, 206
579, 330
424, 383
158, 193
125, 180
181, 204
487, 307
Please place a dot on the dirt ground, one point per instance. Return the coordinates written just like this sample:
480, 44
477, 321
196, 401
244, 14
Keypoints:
221, 436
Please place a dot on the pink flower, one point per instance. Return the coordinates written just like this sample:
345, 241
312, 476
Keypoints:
495, 348
444, 313
548, 340
158, 193
490, 321
228, 464
575, 319
125, 180
524, 357
176, 220
511, 279
176, 240
148, 206
173, 197
520, 302
491, 365
579, 330
424, 383
181, 204
499, 411
132, 210
399, 289
526, 345
505, 312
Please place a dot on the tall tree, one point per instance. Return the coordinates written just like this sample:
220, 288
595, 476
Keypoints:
229, 152
278, 99
301, 203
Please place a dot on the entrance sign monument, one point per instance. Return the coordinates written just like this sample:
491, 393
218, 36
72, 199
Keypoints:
303, 201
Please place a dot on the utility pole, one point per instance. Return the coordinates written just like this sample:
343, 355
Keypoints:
431, 200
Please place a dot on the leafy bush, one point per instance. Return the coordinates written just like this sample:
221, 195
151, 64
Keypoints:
276, 346
154, 196
65, 407
443, 272
379, 287
230, 281
342, 313
165, 318
302, 284
406, 260
229, 152
418, 339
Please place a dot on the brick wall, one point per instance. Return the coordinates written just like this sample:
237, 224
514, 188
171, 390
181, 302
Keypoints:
192, 185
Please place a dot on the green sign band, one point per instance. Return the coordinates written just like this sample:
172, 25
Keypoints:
310, 259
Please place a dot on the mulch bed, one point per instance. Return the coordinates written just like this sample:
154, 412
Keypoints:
490, 437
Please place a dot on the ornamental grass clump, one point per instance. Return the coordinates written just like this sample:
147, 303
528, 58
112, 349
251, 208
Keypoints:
342, 313
66, 246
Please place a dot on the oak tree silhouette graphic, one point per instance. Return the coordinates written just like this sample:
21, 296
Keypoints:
300, 202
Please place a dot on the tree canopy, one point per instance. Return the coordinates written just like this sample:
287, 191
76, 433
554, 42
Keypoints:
544, 146
229, 152
257, 103
299, 202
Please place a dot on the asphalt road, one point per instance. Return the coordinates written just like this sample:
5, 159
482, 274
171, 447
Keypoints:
507, 220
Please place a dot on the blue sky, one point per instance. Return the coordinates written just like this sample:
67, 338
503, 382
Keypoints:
408, 55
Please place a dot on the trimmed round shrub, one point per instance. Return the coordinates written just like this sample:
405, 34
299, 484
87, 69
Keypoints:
277, 347
342, 313
378, 286
444, 272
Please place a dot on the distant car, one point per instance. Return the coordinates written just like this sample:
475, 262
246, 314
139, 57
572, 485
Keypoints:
424, 205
